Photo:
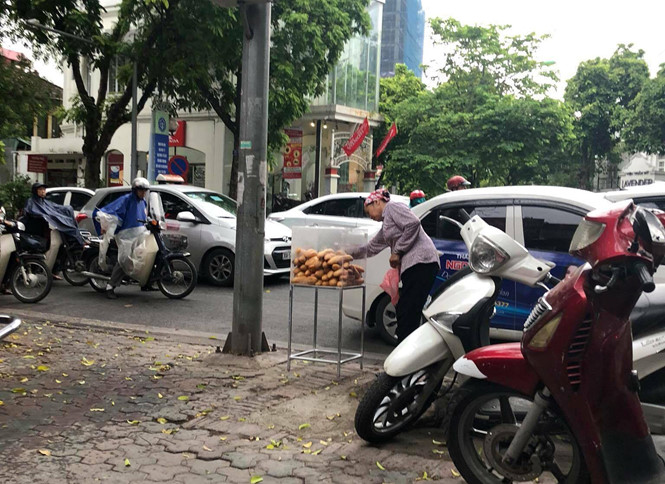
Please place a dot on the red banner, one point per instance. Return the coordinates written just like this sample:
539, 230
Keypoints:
392, 132
37, 163
356, 138
178, 138
293, 155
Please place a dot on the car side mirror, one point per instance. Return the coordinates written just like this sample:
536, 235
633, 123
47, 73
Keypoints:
186, 217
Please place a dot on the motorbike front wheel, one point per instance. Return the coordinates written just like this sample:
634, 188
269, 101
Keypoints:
483, 423
31, 281
180, 280
392, 404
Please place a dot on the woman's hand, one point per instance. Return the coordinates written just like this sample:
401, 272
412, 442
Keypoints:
395, 260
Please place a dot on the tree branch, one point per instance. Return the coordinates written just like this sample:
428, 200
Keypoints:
217, 107
86, 99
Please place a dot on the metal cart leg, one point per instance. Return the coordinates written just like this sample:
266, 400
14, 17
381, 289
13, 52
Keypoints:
288, 360
316, 314
362, 331
339, 336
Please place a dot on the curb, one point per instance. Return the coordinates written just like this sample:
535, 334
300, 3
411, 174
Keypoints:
174, 334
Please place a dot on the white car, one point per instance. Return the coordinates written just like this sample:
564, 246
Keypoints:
650, 196
338, 210
77, 197
542, 218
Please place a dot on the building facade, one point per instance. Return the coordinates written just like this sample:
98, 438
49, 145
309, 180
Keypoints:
403, 36
351, 96
635, 169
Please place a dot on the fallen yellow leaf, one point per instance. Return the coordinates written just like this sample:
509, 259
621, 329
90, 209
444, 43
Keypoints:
225, 417
307, 445
127, 463
378, 464
133, 422
162, 420
96, 409
24, 379
317, 452
255, 480
436, 442
304, 426
87, 362
207, 448
454, 473
42, 368
44, 452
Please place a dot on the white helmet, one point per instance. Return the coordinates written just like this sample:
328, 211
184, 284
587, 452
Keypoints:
140, 183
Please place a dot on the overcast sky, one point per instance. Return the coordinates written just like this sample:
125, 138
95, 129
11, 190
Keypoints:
579, 30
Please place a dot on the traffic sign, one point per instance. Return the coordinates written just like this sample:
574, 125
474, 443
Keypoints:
178, 165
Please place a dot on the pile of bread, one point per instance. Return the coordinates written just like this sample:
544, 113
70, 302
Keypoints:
325, 268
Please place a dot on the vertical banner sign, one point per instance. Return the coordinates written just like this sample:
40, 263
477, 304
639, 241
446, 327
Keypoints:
159, 146
293, 154
114, 169
178, 138
392, 132
356, 138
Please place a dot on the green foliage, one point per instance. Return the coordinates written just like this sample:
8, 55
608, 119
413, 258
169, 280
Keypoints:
602, 94
26, 97
487, 121
14, 194
205, 69
646, 122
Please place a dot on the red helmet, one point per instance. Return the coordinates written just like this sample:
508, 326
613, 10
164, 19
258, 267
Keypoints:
417, 194
454, 182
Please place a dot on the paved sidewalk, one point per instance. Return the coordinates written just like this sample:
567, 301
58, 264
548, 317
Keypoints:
88, 404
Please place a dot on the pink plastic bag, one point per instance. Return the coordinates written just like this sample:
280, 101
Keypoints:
390, 284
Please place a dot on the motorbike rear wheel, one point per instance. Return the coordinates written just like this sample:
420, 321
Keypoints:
482, 425
37, 283
98, 285
392, 404
72, 276
181, 281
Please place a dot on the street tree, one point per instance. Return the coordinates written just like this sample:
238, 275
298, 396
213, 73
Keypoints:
25, 97
487, 119
307, 39
646, 122
110, 51
601, 93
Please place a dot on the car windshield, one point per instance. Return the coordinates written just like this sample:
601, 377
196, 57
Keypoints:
215, 204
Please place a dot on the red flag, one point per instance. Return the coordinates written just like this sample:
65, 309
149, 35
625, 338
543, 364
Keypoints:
392, 132
356, 138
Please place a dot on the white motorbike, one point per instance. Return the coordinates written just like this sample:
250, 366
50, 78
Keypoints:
22, 266
457, 321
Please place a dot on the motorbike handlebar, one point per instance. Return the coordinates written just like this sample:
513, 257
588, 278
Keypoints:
645, 277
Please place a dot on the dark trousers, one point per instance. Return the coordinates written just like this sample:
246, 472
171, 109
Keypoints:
116, 275
417, 282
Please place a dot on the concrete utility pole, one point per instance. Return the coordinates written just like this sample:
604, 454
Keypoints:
247, 336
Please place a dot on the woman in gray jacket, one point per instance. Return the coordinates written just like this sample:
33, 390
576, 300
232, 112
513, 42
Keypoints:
411, 251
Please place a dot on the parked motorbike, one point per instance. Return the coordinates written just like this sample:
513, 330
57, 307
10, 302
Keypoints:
68, 257
173, 272
457, 321
8, 325
22, 266
564, 403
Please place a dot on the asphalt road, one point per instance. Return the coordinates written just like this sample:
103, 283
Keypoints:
207, 309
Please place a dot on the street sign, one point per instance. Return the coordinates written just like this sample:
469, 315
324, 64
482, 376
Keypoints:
37, 163
178, 165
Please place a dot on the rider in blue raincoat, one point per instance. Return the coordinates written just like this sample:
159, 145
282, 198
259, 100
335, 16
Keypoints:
124, 219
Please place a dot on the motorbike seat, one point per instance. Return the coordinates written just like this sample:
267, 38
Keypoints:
649, 311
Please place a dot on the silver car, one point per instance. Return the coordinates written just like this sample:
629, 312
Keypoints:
204, 223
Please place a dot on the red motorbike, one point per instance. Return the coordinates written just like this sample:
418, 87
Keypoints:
563, 404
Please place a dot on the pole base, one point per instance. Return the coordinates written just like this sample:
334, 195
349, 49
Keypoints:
228, 345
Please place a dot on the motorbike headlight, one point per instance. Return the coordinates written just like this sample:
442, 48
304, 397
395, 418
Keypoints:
445, 320
485, 256
586, 234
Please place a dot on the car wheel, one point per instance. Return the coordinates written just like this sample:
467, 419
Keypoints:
385, 319
219, 267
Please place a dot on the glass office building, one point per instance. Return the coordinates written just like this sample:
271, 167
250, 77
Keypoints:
403, 36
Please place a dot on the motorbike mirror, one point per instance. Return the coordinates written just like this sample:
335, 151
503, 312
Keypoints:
186, 217
443, 218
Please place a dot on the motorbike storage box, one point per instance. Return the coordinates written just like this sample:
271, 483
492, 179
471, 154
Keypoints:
328, 256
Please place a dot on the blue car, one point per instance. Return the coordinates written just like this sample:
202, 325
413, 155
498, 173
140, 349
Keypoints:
542, 218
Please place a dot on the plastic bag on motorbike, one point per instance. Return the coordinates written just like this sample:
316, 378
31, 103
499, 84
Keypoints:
132, 250
390, 284
108, 224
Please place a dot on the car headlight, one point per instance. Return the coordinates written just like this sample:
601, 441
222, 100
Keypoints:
485, 256
445, 320
586, 234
